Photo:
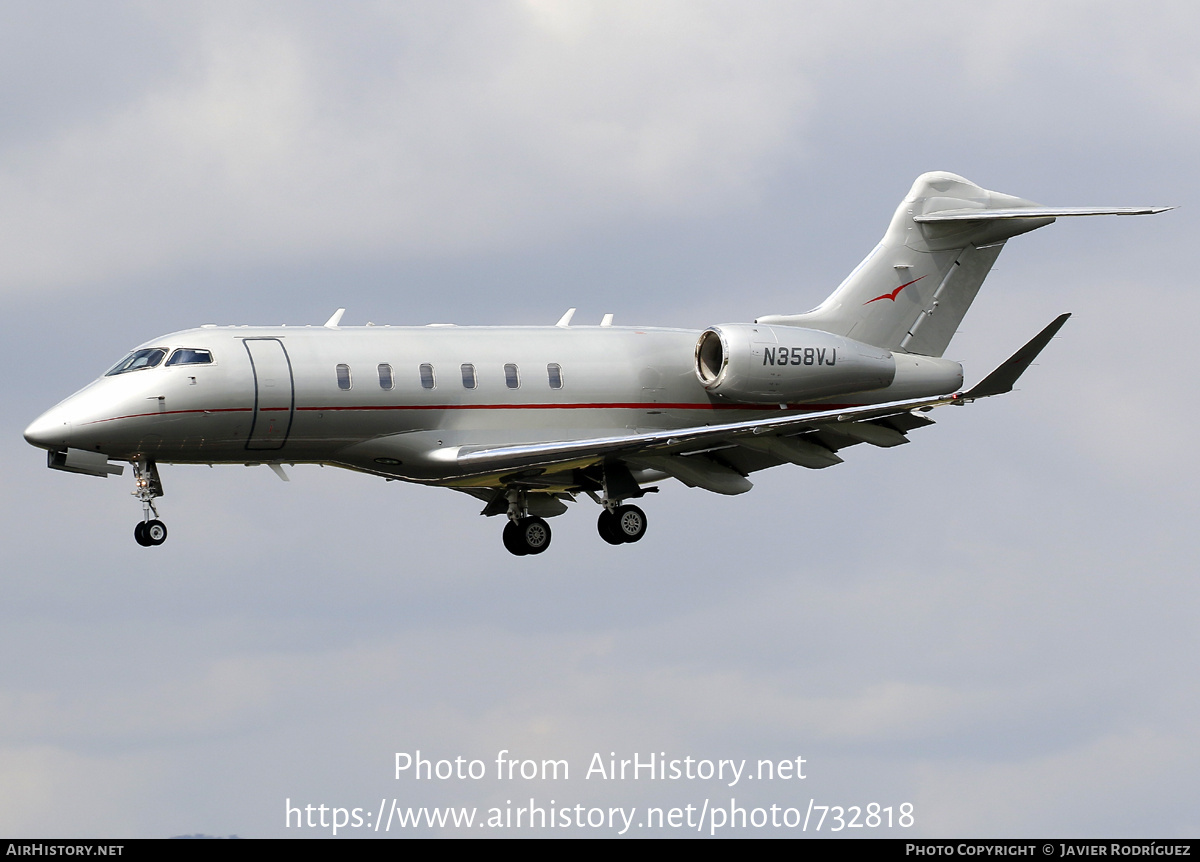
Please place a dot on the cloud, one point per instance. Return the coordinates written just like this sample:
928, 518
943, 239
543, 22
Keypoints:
268, 132
1122, 785
519, 121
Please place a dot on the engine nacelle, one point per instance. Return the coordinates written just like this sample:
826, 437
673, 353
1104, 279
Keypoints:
757, 364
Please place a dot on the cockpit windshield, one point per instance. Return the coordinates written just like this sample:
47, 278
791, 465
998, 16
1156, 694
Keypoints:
190, 356
138, 360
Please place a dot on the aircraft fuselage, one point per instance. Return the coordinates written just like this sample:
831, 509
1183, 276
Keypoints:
385, 399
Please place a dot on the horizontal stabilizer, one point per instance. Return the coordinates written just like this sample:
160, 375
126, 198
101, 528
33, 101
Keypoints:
1002, 379
1032, 212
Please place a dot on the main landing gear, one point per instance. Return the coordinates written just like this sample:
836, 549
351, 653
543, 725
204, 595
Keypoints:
524, 533
529, 535
620, 524
147, 485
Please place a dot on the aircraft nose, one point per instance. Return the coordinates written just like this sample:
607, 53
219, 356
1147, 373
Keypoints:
51, 430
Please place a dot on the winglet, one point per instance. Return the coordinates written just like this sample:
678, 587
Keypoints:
1002, 379
332, 322
565, 320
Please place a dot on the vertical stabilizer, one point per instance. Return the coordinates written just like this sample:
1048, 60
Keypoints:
912, 290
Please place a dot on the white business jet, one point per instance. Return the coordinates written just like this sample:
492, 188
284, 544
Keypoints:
528, 419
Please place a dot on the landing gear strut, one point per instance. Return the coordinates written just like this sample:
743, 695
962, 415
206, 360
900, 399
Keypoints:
149, 531
619, 524
524, 534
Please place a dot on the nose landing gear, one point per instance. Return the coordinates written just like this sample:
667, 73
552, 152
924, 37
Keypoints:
150, 533
147, 485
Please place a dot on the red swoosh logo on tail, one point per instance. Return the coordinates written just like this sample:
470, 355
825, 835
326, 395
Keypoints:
892, 296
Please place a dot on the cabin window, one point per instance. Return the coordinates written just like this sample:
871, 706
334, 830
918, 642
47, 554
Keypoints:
385, 376
468, 375
343, 376
138, 360
427, 381
190, 356
512, 377
554, 373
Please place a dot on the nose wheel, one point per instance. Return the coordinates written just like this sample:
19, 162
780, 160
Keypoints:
150, 533
147, 485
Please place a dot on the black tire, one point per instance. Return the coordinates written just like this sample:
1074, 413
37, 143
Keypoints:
155, 532
513, 542
139, 534
630, 523
606, 526
535, 533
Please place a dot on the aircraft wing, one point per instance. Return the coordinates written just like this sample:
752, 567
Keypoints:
718, 457
683, 439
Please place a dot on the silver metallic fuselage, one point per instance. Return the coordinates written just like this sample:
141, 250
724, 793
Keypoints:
271, 394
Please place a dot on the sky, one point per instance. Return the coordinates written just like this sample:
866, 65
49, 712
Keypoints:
994, 625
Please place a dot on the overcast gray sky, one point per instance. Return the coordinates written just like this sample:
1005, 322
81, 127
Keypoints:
995, 623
